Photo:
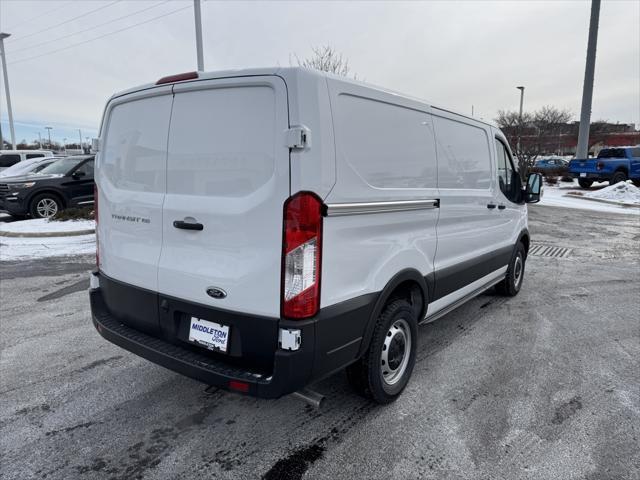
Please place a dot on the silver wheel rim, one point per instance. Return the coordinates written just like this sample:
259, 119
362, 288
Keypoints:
517, 271
396, 351
47, 207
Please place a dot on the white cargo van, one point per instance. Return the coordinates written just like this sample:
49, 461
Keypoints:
259, 230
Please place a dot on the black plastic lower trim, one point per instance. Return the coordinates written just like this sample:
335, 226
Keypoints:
453, 278
330, 340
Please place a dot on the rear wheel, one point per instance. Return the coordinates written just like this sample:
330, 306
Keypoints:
618, 177
45, 205
385, 369
512, 282
584, 183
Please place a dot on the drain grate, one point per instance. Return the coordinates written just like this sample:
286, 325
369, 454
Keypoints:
549, 251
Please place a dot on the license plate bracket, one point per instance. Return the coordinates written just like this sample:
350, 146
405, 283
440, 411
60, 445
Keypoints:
208, 334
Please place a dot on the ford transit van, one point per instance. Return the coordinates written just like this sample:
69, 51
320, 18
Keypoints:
259, 230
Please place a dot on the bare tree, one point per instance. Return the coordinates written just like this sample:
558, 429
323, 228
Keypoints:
326, 59
538, 132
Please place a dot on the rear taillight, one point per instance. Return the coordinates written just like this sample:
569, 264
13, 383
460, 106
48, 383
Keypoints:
599, 165
301, 255
95, 216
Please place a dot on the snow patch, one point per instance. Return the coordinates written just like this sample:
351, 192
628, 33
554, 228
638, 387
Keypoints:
43, 225
623, 192
21, 248
556, 196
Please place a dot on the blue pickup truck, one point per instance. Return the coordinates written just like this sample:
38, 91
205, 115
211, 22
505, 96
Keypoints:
613, 164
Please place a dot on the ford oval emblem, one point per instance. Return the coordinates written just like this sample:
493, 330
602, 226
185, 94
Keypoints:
216, 292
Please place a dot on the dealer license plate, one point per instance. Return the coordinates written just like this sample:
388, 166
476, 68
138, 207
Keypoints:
209, 334
583, 174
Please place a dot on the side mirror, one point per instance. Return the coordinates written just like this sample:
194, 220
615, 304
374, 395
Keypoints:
78, 174
533, 193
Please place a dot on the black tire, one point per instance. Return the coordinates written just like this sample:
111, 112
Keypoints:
45, 205
512, 282
396, 327
618, 177
584, 183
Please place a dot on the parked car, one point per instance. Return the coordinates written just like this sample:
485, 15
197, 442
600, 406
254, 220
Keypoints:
11, 157
27, 167
557, 166
260, 230
613, 164
67, 182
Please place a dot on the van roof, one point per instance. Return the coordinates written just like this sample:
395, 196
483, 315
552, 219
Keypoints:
294, 72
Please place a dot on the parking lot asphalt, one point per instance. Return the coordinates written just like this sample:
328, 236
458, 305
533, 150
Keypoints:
544, 385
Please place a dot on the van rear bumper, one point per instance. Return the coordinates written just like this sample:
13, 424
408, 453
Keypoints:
290, 371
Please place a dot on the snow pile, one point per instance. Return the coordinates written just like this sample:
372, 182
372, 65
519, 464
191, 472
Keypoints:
43, 225
570, 195
623, 192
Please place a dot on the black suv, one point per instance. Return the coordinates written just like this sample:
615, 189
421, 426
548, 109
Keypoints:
65, 183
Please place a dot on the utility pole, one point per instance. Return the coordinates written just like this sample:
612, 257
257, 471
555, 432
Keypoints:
6, 89
520, 116
582, 150
49, 129
198, 20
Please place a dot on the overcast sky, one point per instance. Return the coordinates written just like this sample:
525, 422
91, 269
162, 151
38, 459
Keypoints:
456, 54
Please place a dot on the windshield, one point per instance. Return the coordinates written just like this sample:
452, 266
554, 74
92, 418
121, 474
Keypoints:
62, 166
612, 153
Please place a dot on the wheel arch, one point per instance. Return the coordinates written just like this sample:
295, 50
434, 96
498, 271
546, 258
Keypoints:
408, 283
525, 239
51, 191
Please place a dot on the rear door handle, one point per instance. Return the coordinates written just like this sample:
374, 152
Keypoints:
187, 225
501, 207
491, 206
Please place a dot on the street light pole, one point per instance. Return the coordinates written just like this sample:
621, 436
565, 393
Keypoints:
520, 116
39, 141
6, 88
582, 150
80, 137
49, 129
198, 20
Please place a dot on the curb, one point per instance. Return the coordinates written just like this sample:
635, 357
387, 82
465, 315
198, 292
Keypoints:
601, 200
46, 234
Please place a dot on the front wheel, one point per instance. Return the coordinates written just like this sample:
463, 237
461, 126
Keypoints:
385, 369
512, 282
45, 205
584, 183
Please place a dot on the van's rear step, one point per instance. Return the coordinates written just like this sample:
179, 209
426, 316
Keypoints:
286, 378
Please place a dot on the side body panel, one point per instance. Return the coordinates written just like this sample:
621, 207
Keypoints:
384, 152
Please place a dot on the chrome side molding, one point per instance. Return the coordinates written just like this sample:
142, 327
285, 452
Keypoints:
340, 209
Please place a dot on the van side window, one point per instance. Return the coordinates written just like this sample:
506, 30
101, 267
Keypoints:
393, 148
34, 155
8, 160
464, 158
507, 175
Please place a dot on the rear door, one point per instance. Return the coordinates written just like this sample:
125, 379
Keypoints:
227, 172
131, 183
